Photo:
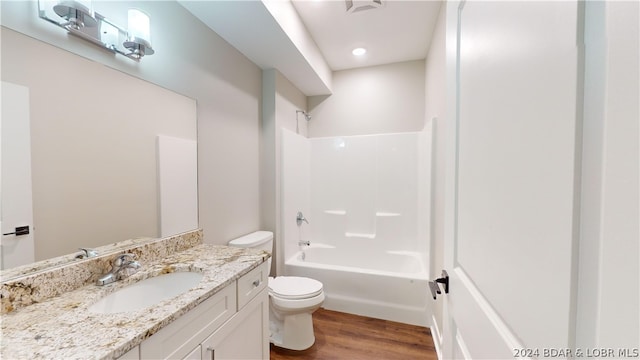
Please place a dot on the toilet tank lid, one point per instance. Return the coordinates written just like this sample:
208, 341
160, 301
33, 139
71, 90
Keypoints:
253, 239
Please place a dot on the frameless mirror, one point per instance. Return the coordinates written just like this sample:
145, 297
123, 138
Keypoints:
92, 139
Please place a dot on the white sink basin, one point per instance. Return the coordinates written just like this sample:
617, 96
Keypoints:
147, 292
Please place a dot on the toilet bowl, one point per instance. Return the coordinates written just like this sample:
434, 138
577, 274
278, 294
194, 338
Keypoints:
292, 300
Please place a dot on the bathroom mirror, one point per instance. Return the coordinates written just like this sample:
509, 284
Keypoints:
94, 156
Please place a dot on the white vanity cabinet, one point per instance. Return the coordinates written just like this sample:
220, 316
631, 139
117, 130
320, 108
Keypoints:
245, 336
232, 324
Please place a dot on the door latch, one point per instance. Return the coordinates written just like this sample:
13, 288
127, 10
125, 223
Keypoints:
435, 289
20, 230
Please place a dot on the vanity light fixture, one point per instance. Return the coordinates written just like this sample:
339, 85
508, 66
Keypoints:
79, 19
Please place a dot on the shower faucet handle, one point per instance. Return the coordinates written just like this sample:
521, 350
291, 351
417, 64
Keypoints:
300, 218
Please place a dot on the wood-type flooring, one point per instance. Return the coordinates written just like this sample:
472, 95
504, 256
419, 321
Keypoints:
351, 337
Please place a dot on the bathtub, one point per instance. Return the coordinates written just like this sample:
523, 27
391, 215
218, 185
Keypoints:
389, 285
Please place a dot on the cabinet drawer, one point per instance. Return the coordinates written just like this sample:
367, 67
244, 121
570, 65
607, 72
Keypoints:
133, 354
179, 338
252, 283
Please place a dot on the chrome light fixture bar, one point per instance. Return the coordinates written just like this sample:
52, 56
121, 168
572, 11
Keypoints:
79, 19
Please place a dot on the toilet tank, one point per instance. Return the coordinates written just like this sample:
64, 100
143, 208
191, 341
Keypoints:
260, 240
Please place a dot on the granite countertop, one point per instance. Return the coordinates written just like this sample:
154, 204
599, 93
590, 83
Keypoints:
63, 328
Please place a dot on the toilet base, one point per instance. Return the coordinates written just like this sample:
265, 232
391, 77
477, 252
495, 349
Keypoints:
293, 332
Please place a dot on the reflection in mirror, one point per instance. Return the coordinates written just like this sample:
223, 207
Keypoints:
45, 265
93, 146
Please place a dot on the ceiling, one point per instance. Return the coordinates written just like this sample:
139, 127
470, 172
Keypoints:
306, 40
395, 31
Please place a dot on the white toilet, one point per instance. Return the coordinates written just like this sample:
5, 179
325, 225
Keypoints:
292, 299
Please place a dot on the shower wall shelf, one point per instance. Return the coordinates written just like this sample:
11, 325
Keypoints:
335, 212
360, 235
387, 214
378, 214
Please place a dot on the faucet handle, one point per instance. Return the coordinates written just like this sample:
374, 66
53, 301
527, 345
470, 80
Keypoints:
123, 259
87, 253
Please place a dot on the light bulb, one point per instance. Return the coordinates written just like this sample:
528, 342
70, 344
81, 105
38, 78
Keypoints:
139, 25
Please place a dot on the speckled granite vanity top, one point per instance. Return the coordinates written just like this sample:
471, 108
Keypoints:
62, 327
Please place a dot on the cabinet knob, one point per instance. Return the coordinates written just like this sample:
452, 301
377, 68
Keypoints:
213, 352
256, 283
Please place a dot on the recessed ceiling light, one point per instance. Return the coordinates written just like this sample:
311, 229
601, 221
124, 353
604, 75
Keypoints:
359, 51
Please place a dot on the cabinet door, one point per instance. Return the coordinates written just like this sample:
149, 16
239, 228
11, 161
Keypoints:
177, 339
196, 354
245, 336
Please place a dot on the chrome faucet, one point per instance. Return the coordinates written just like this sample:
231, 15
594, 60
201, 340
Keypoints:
304, 243
300, 218
120, 263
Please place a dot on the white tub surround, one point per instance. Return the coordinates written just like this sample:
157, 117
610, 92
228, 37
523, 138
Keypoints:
367, 202
62, 327
388, 285
409, 264
370, 190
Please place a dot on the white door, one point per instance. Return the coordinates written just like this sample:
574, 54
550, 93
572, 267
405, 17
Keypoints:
17, 205
511, 216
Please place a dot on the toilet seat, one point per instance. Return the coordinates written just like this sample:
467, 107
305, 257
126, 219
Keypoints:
294, 287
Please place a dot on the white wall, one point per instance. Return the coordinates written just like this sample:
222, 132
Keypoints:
608, 302
288, 19
281, 99
225, 84
435, 104
296, 192
268, 187
372, 100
